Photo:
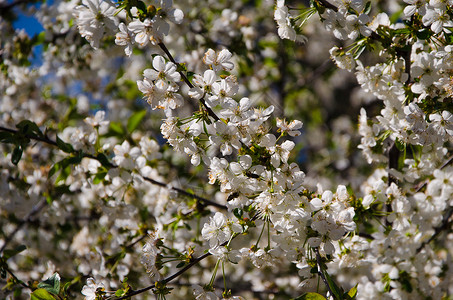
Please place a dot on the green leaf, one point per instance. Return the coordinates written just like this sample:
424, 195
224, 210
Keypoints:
7, 137
41, 294
64, 163
135, 120
352, 292
367, 8
16, 155
117, 128
102, 158
400, 145
51, 284
120, 293
402, 31
29, 127
337, 292
141, 7
40, 38
310, 296
181, 264
8, 253
99, 177
65, 147
238, 213
424, 34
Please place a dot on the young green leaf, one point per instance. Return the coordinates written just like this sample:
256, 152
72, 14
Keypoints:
51, 284
337, 291
8, 253
116, 128
352, 292
120, 293
29, 127
310, 296
41, 294
65, 147
7, 137
16, 155
135, 120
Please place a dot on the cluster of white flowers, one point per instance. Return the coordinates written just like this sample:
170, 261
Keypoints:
110, 182
94, 18
261, 178
284, 19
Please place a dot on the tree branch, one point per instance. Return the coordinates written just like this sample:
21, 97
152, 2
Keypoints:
35, 210
446, 222
328, 5
424, 183
6, 268
46, 140
324, 279
187, 81
186, 193
168, 279
4, 7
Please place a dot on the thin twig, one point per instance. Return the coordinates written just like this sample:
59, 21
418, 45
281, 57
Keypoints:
186, 193
327, 4
168, 279
15, 278
205, 201
7, 6
446, 163
36, 209
187, 81
324, 279
444, 225
132, 244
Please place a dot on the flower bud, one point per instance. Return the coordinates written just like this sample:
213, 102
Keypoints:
151, 10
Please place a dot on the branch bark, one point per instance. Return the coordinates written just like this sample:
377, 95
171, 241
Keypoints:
187, 81
35, 210
204, 201
168, 279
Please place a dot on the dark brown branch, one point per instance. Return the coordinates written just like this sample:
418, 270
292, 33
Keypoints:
6, 268
4, 7
168, 279
186, 193
162, 184
446, 223
35, 210
424, 183
324, 279
187, 81
328, 5
393, 155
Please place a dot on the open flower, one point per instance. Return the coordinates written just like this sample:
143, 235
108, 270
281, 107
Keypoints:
93, 18
290, 128
219, 60
125, 38
89, 290
163, 74
216, 231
